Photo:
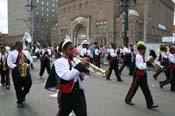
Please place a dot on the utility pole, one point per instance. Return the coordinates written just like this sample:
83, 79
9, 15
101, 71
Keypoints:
125, 5
31, 6
145, 21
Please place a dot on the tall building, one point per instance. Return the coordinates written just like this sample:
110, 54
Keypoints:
18, 20
103, 20
45, 16
38, 22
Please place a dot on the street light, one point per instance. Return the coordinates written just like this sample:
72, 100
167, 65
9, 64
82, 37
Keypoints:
126, 4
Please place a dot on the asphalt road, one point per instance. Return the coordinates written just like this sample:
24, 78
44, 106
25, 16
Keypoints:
104, 98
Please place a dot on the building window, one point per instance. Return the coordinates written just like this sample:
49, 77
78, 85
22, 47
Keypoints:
53, 10
47, 3
101, 27
37, 1
63, 32
42, 2
53, 5
47, 9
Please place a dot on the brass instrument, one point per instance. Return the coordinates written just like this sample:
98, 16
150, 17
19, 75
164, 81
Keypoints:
155, 64
23, 65
95, 68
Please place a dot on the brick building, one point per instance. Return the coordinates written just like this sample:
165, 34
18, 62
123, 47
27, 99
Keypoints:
102, 20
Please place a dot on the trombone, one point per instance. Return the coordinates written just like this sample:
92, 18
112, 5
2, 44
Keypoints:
95, 68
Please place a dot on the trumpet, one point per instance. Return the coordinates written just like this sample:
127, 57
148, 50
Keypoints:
95, 68
154, 63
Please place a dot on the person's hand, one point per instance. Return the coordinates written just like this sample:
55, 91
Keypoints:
85, 61
151, 60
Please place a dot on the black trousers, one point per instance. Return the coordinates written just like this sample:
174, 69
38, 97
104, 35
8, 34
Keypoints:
97, 60
5, 79
158, 71
143, 84
113, 66
45, 64
127, 62
74, 101
22, 85
170, 80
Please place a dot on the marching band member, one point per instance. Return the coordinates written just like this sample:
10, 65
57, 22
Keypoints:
83, 52
97, 56
140, 79
5, 79
164, 61
89, 54
171, 78
19, 61
45, 60
126, 59
113, 62
71, 93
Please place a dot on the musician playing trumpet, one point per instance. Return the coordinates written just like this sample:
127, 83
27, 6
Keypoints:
19, 61
71, 92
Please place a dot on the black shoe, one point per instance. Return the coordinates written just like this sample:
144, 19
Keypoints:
161, 86
172, 90
108, 79
130, 103
120, 80
155, 77
153, 107
23, 100
20, 105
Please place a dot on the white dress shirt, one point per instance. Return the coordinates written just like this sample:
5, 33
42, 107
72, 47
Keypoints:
12, 58
172, 58
62, 69
113, 53
140, 63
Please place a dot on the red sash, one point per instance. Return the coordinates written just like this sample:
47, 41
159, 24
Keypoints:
139, 72
172, 66
113, 58
67, 88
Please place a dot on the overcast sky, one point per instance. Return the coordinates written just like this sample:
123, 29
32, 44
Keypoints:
3, 16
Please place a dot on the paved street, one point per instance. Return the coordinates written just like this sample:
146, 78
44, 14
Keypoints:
104, 98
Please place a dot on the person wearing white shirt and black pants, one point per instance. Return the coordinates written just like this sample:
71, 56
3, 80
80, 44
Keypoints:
171, 78
164, 61
17, 61
45, 60
5, 79
140, 79
97, 56
113, 62
71, 92
126, 59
